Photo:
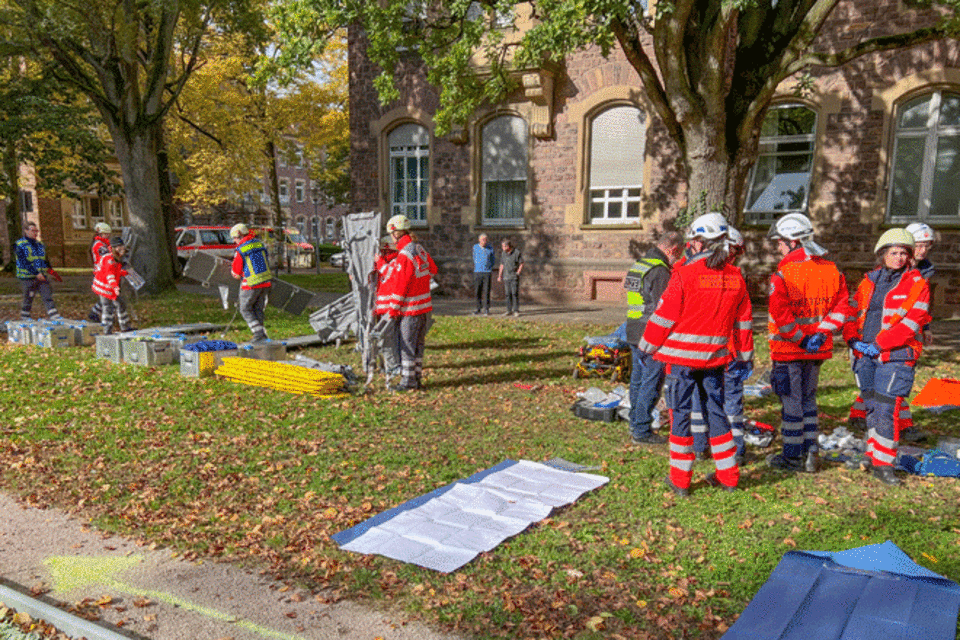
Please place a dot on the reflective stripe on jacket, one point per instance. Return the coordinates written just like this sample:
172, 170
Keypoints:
906, 310
405, 285
633, 283
808, 295
702, 315
255, 261
106, 278
31, 258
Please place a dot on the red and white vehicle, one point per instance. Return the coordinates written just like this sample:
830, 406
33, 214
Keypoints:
213, 239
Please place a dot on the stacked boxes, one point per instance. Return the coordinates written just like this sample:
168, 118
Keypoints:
20, 332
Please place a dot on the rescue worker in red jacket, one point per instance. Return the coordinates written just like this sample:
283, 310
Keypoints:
703, 312
99, 247
404, 293
251, 265
809, 302
732, 383
390, 334
106, 284
923, 239
892, 306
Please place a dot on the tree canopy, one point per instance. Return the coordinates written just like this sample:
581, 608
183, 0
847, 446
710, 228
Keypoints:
708, 68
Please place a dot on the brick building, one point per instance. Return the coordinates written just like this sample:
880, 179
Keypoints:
576, 168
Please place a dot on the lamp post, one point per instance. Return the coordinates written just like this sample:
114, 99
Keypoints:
315, 197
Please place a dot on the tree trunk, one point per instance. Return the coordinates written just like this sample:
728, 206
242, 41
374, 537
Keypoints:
137, 153
11, 190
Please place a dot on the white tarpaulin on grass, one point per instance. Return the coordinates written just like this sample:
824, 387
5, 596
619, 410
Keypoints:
446, 528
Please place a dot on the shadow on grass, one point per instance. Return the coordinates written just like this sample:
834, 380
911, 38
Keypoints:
515, 358
492, 343
537, 375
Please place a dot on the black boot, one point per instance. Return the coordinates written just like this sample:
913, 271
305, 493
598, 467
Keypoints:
886, 475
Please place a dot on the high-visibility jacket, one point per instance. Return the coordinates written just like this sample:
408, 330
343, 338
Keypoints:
252, 262
405, 283
31, 258
99, 247
645, 283
906, 310
807, 295
106, 278
702, 315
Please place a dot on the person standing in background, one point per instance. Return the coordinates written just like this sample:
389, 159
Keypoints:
483, 259
511, 264
32, 271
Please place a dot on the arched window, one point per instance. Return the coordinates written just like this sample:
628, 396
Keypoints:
330, 224
925, 180
780, 180
503, 171
617, 140
409, 171
315, 229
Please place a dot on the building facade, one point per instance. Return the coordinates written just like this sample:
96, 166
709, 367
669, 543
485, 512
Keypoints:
576, 168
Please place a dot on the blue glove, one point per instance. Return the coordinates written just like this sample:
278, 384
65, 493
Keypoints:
741, 370
867, 349
812, 343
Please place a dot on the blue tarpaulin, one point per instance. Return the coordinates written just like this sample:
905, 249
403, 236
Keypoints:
874, 592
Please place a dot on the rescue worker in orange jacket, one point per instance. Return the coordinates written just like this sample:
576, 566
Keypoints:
809, 302
892, 306
404, 293
703, 312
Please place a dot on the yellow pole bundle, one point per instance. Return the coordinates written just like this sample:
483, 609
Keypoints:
283, 377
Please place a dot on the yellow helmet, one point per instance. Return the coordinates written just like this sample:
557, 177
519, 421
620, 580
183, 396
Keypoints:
895, 237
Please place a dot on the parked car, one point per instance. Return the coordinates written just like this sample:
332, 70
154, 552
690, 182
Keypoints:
339, 260
210, 238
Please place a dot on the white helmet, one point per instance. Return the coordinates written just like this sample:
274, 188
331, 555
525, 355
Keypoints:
921, 232
103, 228
793, 226
709, 226
735, 238
398, 223
239, 230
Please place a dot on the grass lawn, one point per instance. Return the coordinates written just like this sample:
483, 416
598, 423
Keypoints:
214, 469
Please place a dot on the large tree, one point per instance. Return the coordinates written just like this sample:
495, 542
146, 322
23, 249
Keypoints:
54, 131
119, 54
708, 68
230, 128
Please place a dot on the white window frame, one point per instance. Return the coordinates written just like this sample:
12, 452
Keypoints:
115, 211
300, 189
931, 135
493, 174
409, 146
613, 202
760, 216
283, 191
78, 215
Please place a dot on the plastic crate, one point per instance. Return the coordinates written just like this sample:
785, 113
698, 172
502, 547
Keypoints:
201, 364
270, 350
149, 353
